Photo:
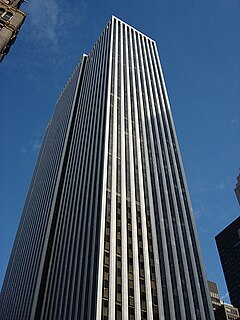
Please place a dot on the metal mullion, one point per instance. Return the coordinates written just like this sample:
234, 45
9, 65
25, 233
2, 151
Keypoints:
82, 112
142, 200
70, 195
124, 239
22, 249
87, 174
112, 265
164, 175
38, 231
62, 240
51, 264
159, 201
33, 221
137, 299
84, 154
58, 146
152, 218
52, 215
28, 200
16, 271
24, 215
172, 253
90, 183
57, 241
68, 203
56, 161
175, 172
35, 238
53, 261
102, 130
189, 220
97, 127
98, 155
104, 182
63, 232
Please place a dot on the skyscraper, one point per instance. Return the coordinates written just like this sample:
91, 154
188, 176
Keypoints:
228, 244
11, 20
107, 230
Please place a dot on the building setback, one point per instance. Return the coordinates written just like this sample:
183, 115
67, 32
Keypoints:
228, 244
107, 230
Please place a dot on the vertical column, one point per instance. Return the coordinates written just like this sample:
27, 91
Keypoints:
137, 300
123, 191
162, 242
113, 240
104, 183
141, 191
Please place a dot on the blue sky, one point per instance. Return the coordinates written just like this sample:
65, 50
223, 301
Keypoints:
199, 46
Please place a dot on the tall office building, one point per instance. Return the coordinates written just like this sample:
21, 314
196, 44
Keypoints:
107, 230
228, 244
11, 20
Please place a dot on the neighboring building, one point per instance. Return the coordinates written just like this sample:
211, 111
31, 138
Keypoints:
222, 311
214, 294
11, 20
228, 243
226, 312
237, 189
107, 230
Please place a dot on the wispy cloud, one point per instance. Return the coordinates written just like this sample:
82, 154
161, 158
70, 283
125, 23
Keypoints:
52, 21
225, 297
203, 229
23, 151
44, 16
219, 186
235, 124
31, 149
206, 187
35, 146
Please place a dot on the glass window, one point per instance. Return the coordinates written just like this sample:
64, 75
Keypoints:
7, 16
2, 11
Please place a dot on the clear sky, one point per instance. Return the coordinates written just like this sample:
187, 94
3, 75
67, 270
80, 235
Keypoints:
199, 46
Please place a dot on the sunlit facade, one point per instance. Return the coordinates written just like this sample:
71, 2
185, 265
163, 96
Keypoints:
107, 230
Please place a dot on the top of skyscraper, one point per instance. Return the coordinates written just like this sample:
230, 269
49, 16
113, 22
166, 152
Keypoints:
128, 25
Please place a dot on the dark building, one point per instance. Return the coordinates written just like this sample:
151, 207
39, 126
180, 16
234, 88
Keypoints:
11, 20
107, 230
228, 244
226, 312
214, 294
237, 189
